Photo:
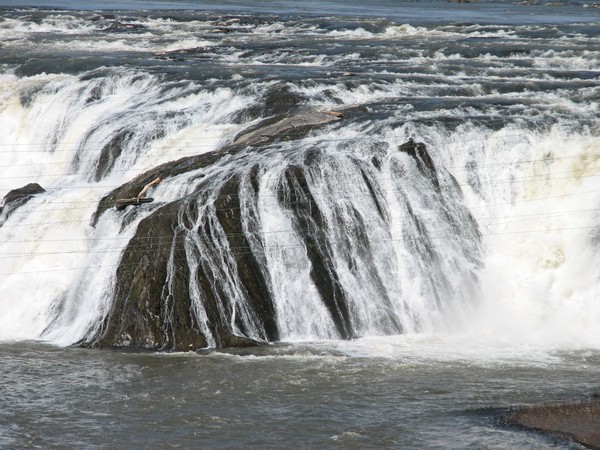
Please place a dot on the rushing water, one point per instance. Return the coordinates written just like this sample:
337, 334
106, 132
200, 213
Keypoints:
415, 392
491, 279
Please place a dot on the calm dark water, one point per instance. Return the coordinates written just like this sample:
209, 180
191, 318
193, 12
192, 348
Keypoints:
285, 396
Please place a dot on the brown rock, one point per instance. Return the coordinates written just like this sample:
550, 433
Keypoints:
578, 421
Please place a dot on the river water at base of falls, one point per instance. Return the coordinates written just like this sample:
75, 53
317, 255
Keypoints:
398, 392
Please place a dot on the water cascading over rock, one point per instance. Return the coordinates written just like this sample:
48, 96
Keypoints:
302, 244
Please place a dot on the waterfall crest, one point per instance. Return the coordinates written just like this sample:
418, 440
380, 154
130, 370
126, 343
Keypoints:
320, 179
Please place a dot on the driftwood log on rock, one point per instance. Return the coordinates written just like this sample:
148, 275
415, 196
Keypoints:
125, 202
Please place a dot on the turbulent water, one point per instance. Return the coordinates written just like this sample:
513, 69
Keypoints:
473, 287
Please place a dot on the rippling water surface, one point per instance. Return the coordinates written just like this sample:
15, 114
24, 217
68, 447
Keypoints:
346, 395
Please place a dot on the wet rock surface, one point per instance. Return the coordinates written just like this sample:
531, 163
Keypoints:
153, 308
578, 421
199, 250
18, 197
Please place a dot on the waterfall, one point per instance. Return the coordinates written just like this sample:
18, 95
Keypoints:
413, 193
344, 247
350, 237
540, 227
79, 137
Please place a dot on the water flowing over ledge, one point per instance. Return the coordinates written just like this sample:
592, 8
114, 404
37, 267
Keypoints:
458, 191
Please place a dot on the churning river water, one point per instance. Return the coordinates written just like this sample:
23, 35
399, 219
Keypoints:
400, 392
504, 95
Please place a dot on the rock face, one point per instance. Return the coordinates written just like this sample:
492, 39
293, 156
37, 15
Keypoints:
23, 194
18, 197
578, 421
196, 272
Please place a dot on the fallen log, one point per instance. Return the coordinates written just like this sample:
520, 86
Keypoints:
125, 202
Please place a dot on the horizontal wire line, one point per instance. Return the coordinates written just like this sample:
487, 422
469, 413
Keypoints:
185, 154
240, 133
549, 160
352, 195
151, 240
249, 252
278, 204
517, 217
168, 242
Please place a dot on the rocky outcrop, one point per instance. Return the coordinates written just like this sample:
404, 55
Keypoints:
18, 197
277, 127
23, 194
577, 421
195, 273
152, 307
300, 121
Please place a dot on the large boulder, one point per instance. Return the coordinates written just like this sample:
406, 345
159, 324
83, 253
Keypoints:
195, 274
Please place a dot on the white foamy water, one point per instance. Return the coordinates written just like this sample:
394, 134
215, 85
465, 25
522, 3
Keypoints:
513, 123
55, 128
540, 284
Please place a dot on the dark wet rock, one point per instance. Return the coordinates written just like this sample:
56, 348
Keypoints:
111, 151
185, 54
18, 197
228, 340
310, 223
121, 27
153, 306
165, 171
578, 421
222, 30
116, 24
264, 132
251, 277
424, 161
300, 123
194, 252
226, 22
23, 194
144, 313
278, 100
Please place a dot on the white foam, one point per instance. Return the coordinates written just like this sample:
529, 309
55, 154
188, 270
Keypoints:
540, 283
43, 245
535, 194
